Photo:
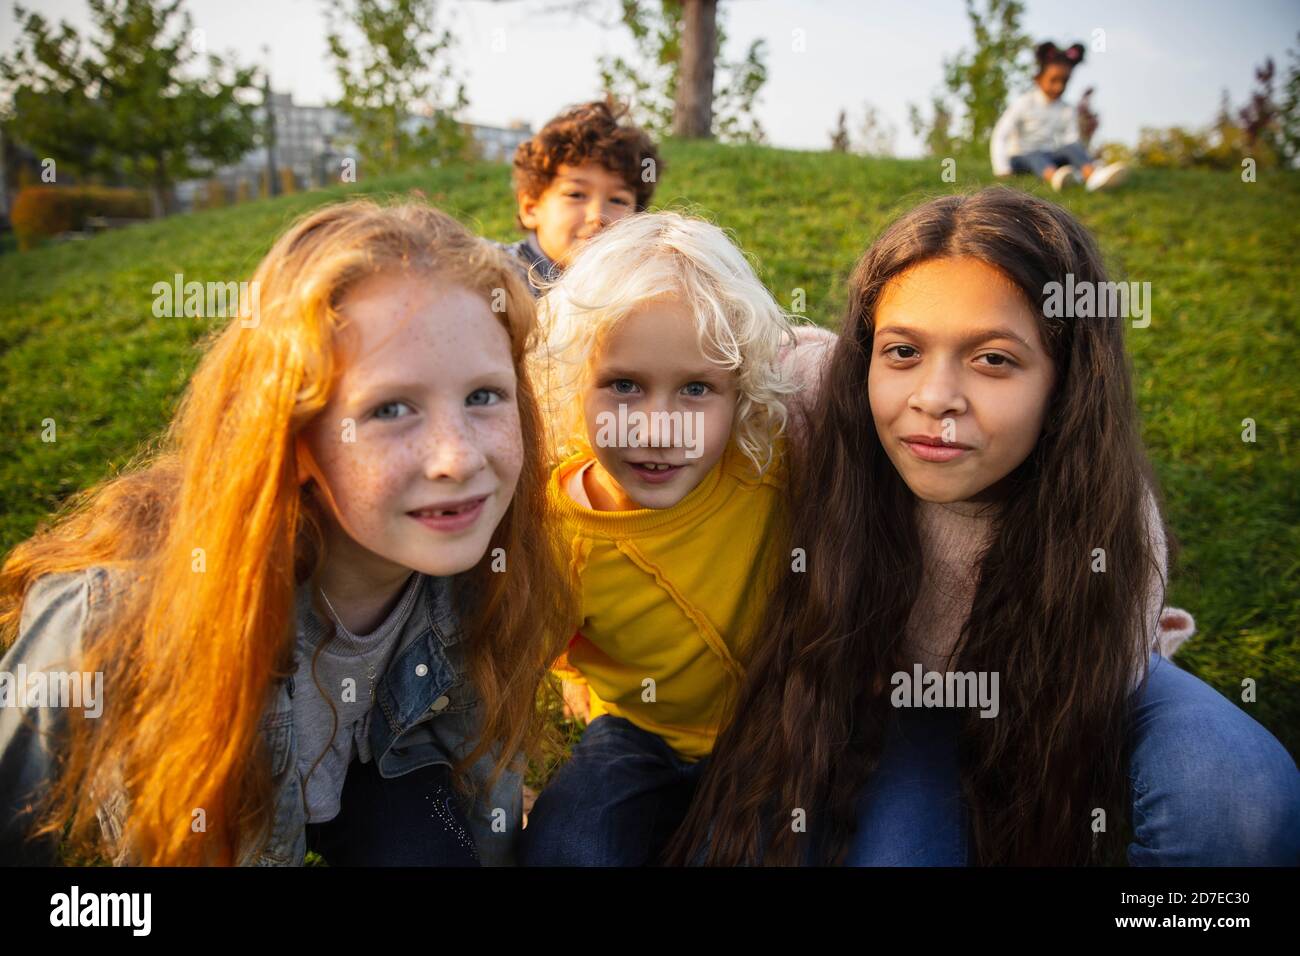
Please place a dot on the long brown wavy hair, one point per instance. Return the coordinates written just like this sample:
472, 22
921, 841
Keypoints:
1067, 642
189, 660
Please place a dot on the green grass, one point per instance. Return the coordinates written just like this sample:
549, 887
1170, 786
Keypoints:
79, 344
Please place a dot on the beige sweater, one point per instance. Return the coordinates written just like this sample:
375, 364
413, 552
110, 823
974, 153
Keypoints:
953, 537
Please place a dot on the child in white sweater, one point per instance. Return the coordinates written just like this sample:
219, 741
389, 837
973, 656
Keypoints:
1039, 132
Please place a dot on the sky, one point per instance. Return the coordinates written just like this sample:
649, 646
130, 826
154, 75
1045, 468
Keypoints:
1164, 64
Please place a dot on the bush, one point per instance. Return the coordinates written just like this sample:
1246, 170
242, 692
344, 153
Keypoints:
1115, 152
1221, 145
41, 212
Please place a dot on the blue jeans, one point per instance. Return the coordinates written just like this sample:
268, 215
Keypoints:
1035, 162
616, 802
1210, 786
416, 819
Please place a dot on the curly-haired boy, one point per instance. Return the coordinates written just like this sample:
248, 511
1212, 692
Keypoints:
585, 169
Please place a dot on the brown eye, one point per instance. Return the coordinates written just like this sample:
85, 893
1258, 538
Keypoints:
998, 360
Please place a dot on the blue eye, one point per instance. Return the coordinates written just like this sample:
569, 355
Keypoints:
619, 382
701, 385
377, 413
490, 395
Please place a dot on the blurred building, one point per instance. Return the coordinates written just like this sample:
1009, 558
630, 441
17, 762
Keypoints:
313, 141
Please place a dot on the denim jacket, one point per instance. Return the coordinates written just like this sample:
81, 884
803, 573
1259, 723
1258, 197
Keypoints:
427, 713
534, 265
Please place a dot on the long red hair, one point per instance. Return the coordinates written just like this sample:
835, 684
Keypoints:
189, 659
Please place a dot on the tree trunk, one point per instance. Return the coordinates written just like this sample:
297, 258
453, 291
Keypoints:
160, 191
693, 110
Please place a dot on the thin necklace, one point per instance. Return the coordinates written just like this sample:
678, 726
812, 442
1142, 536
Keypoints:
352, 639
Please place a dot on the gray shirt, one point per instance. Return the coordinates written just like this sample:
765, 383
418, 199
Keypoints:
332, 708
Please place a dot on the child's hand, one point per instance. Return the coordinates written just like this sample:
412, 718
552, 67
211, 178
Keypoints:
577, 700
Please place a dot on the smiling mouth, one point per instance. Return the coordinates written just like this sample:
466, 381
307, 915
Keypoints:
933, 450
654, 472
450, 510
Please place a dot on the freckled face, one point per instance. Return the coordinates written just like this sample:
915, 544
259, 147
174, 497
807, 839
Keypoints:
960, 378
429, 383
653, 363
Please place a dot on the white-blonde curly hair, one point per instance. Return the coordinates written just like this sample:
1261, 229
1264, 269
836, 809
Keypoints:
654, 256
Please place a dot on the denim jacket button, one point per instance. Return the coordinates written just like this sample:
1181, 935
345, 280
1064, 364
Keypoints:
440, 703
421, 670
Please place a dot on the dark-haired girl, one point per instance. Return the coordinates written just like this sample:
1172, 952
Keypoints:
1039, 132
973, 498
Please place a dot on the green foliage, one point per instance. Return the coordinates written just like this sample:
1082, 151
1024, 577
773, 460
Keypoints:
981, 80
1288, 133
873, 134
1266, 130
79, 344
734, 97
398, 88
978, 82
935, 131
1221, 145
126, 103
648, 83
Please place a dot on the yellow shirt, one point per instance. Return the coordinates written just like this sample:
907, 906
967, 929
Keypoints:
670, 598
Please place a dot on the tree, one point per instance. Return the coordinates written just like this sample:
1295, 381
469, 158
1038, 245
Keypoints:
935, 132
398, 88
840, 135
978, 81
981, 80
875, 133
693, 109
1289, 111
1262, 122
671, 82
124, 103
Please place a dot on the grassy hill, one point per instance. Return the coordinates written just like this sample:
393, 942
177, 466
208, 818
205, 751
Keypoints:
79, 344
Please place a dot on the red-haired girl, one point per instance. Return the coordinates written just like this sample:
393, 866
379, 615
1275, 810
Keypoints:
323, 593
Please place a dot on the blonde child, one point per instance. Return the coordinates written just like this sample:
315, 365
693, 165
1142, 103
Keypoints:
667, 376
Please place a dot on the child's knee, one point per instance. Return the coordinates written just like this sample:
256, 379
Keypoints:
1225, 793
